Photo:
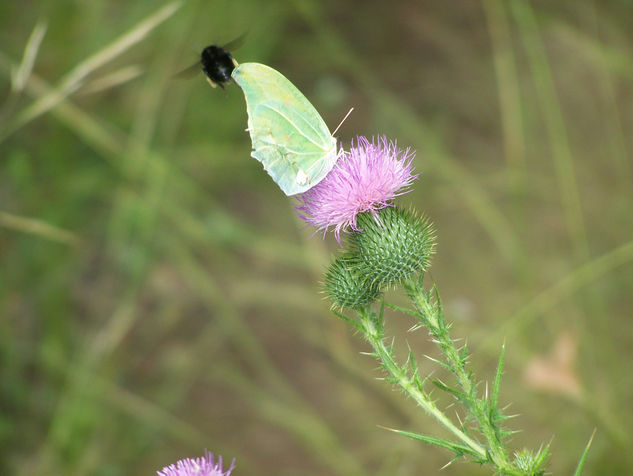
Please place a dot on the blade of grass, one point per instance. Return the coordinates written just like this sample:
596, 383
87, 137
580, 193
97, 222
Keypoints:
607, 70
572, 283
508, 86
106, 141
20, 75
74, 78
37, 227
112, 80
554, 121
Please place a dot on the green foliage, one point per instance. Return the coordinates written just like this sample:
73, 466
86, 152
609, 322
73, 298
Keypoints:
457, 448
583, 457
530, 463
489, 447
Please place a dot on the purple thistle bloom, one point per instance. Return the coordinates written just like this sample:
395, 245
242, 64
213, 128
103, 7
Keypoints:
364, 179
202, 466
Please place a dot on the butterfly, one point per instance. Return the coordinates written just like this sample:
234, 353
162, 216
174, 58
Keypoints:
289, 137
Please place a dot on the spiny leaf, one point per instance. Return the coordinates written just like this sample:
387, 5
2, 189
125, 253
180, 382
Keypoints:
442, 363
347, 319
497, 383
583, 457
458, 448
380, 318
438, 304
402, 309
461, 396
421, 279
463, 355
531, 464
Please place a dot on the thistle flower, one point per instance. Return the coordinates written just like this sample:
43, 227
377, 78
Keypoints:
202, 466
365, 179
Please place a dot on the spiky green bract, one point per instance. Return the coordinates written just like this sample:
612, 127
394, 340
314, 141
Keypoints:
393, 245
531, 464
347, 289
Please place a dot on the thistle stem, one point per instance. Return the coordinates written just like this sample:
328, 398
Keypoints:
432, 317
374, 334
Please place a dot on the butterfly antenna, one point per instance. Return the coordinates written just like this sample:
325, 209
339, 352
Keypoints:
341, 123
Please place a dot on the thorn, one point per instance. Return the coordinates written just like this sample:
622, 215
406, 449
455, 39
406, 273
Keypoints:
459, 419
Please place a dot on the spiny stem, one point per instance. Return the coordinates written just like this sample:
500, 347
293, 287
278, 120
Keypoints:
375, 337
433, 318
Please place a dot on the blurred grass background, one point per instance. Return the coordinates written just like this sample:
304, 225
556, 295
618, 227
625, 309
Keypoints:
158, 296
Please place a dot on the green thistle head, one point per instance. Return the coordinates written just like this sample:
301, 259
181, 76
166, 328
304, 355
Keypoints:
345, 288
392, 246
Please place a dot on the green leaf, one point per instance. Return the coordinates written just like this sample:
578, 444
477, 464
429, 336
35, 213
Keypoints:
348, 320
461, 396
497, 383
403, 310
442, 363
380, 320
583, 457
458, 448
421, 280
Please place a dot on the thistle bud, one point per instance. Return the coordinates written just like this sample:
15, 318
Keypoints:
391, 246
345, 288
